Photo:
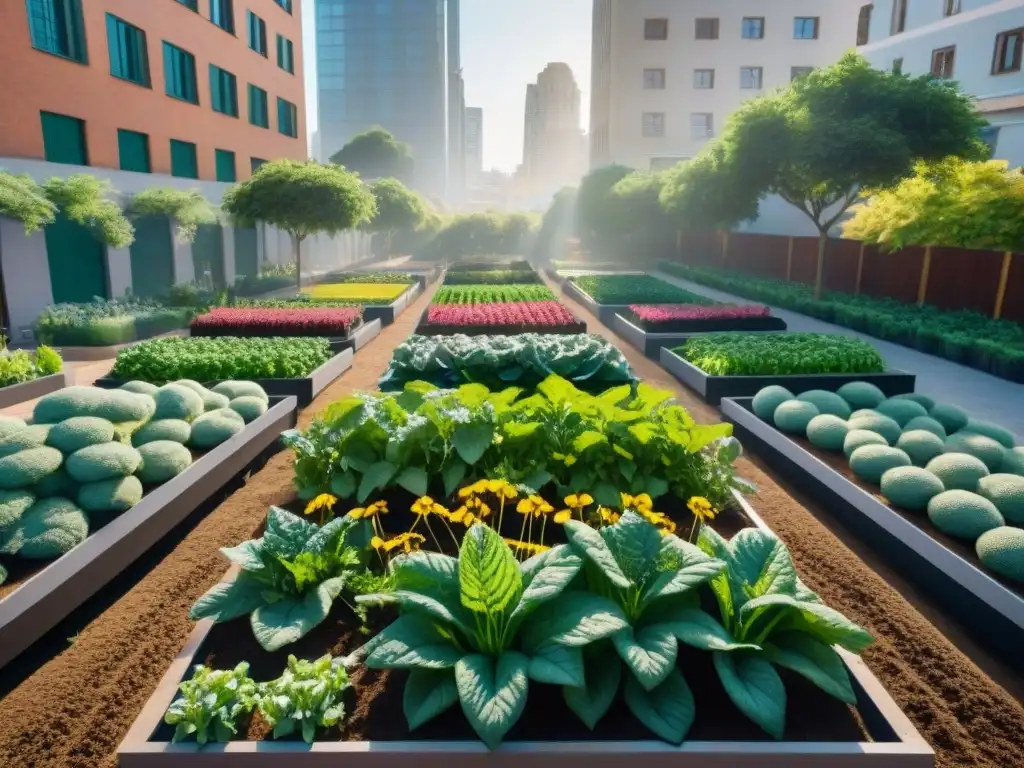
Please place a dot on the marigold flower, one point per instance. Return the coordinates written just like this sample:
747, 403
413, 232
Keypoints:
639, 503
701, 508
377, 508
579, 500
464, 516
563, 517
323, 501
526, 506
405, 541
607, 515
377, 542
423, 506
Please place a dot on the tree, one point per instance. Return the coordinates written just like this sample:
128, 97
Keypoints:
951, 203
189, 209
398, 208
478, 234
828, 135
23, 200
595, 209
376, 154
557, 225
636, 203
704, 193
83, 199
301, 198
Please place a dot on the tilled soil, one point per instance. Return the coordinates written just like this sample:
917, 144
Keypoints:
74, 710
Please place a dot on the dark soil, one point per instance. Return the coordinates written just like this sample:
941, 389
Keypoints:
707, 326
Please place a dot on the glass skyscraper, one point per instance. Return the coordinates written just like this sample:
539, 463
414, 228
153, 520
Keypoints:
388, 63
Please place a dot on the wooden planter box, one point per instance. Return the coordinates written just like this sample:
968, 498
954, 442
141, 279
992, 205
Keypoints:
651, 343
30, 390
388, 313
358, 338
895, 742
27, 613
991, 612
424, 329
604, 312
713, 388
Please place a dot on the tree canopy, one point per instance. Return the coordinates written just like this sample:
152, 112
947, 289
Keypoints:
83, 199
25, 201
636, 202
376, 154
557, 225
188, 208
398, 208
595, 210
479, 234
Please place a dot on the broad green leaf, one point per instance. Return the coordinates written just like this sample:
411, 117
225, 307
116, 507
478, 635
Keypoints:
607, 495
690, 568
603, 672
701, 630
450, 613
472, 440
558, 390
650, 653
668, 710
488, 572
347, 411
537, 479
544, 577
427, 571
327, 537
575, 619
616, 395
656, 486
229, 600
814, 619
472, 395
428, 693
285, 621
285, 533
514, 430
635, 544
414, 480
589, 543
643, 432
816, 661
344, 485
652, 397
358, 455
492, 693
557, 664
761, 562
588, 440
755, 688
247, 554
412, 641
376, 476
453, 475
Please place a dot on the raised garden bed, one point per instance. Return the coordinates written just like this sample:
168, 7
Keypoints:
626, 325
40, 602
604, 312
30, 390
91, 354
357, 338
991, 609
713, 388
388, 313
823, 733
424, 328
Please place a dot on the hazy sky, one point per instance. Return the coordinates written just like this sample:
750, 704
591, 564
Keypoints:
505, 44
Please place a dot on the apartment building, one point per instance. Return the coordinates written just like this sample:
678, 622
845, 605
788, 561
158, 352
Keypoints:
474, 145
553, 155
666, 74
978, 43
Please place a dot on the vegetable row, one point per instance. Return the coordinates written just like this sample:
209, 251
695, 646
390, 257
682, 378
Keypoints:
752, 354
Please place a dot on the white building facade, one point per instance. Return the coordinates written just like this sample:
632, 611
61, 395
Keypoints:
978, 43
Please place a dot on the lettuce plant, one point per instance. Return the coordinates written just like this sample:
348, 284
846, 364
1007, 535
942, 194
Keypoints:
211, 703
477, 629
774, 620
654, 581
306, 697
289, 577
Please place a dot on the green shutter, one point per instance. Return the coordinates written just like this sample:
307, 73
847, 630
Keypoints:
258, 107
192, 4
56, 27
285, 54
287, 118
257, 34
222, 13
184, 162
223, 91
152, 257
225, 165
133, 151
64, 139
77, 261
246, 256
129, 57
180, 74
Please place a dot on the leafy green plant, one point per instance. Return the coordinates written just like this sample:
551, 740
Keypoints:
492, 277
188, 208
23, 200
751, 354
491, 294
369, 278
289, 577
773, 620
83, 199
306, 697
634, 289
475, 630
211, 703
20, 366
105, 322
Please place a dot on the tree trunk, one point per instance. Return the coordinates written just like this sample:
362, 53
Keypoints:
298, 263
819, 279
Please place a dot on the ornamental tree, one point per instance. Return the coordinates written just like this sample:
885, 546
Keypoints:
83, 199
301, 198
398, 209
376, 154
188, 208
23, 200
704, 193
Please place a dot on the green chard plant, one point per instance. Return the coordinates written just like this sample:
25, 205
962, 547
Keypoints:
478, 628
211, 703
306, 697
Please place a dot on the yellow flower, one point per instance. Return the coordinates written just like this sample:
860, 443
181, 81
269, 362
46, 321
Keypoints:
639, 503
608, 515
579, 501
564, 516
480, 486
526, 546
377, 508
408, 542
558, 456
423, 506
466, 492
701, 508
323, 501
570, 460
526, 506
464, 516
377, 542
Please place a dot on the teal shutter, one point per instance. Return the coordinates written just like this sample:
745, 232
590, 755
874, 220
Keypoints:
56, 27
133, 151
225, 165
285, 54
184, 162
257, 34
192, 4
180, 74
287, 118
77, 260
224, 91
222, 13
129, 57
258, 107
64, 139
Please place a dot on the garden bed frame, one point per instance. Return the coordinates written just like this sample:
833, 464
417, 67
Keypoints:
606, 313
30, 390
424, 329
92, 354
897, 744
991, 612
388, 313
714, 388
651, 343
35, 607
357, 338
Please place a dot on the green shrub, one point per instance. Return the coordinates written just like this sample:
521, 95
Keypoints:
753, 354
174, 401
1000, 434
28, 467
923, 400
163, 460
861, 394
910, 488
870, 462
768, 399
827, 402
901, 411
879, 423
79, 431
635, 289
118, 494
963, 514
29, 437
19, 366
984, 448
49, 529
958, 471
928, 424
9, 425
233, 389
140, 388
952, 418
248, 407
794, 416
920, 445
175, 430
1007, 493
13, 504
857, 438
57, 483
213, 428
827, 432
114, 405
107, 322
102, 462
1002, 550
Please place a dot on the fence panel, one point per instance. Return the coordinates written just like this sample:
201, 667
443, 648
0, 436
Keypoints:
896, 275
962, 279
756, 254
841, 259
1013, 300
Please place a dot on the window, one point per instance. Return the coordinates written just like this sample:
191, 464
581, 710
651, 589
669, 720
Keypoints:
255, 163
223, 91
180, 74
706, 29
701, 125
191, 4
133, 151
1008, 52
751, 77
64, 139
287, 118
258, 111
257, 34
864, 25
222, 13
183, 160
703, 79
285, 54
899, 17
654, 79
951, 8
797, 72
225, 161
129, 58
805, 28
943, 60
655, 29
285, 4
56, 27
753, 28
654, 124
897, 66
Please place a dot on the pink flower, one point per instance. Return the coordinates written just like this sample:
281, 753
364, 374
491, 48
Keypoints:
301, 321
676, 312
532, 313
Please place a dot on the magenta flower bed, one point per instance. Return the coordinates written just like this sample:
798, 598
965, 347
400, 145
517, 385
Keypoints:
524, 313
256, 321
674, 312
